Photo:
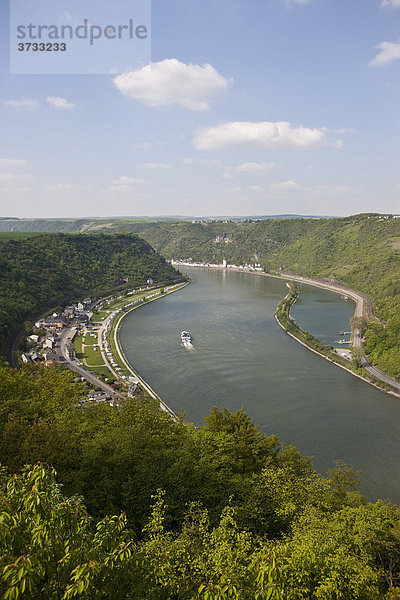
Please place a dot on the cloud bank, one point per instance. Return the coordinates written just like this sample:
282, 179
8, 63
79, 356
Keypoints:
388, 52
58, 102
263, 133
22, 103
390, 4
170, 82
294, 2
256, 167
13, 162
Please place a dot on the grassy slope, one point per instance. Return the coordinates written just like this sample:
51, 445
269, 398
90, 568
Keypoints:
5, 236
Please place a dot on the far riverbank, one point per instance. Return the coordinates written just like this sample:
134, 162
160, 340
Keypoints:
364, 308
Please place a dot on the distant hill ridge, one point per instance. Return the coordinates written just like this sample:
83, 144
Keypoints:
88, 224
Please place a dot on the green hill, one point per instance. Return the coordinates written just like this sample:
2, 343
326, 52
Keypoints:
362, 251
42, 271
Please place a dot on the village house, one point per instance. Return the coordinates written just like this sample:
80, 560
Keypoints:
84, 319
50, 357
54, 323
33, 339
71, 352
35, 357
69, 312
48, 343
97, 396
134, 388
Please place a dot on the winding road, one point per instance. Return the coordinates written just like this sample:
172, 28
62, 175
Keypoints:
63, 341
363, 309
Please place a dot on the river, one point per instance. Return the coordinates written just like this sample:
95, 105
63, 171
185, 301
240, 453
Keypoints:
242, 358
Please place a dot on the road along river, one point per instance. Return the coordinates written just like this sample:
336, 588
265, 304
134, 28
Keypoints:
241, 357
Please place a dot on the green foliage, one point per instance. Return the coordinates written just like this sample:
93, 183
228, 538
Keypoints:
239, 516
362, 251
42, 271
5, 236
48, 546
360, 323
383, 345
252, 449
356, 354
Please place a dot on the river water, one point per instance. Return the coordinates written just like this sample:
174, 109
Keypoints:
242, 358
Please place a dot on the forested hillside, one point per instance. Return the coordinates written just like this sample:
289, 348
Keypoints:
362, 251
39, 272
217, 512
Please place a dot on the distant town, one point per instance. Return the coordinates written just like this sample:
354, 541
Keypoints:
188, 262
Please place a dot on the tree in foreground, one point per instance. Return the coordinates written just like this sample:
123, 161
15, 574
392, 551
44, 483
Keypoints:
50, 548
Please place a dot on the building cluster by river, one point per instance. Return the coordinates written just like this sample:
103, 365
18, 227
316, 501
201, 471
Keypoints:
224, 265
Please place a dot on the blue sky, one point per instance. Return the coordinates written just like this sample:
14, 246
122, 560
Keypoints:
256, 107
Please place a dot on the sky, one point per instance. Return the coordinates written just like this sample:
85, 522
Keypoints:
243, 107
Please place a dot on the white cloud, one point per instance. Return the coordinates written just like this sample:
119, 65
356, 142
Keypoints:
123, 180
58, 102
151, 165
251, 188
202, 161
65, 17
7, 176
388, 52
61, 187
171, 82
263, 133
256, 167
390, 3
9, 163
125, 184
19, 189
285, 185
294, 2
12, 177
22, 103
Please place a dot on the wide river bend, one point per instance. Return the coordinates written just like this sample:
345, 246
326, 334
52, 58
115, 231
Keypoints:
242, 358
